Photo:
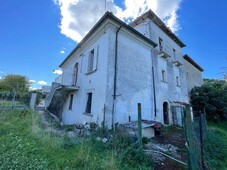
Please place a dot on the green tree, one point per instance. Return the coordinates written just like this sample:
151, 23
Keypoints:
211, 96
14, 83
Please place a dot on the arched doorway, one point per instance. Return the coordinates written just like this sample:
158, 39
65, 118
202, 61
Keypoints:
75, 74
165, 113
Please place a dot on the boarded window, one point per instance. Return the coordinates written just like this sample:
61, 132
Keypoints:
160, 42
89, 102
174, 53
177, 81
71, 102
91, 61
163, 75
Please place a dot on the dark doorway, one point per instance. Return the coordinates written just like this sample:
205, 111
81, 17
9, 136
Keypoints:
165, 113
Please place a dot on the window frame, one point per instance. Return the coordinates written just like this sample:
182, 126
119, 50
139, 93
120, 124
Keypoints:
163, 74
91, 59
88, 108
71, 102
160, 43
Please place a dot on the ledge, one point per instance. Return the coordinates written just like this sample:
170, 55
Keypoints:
164, 81
91, 72
88, 114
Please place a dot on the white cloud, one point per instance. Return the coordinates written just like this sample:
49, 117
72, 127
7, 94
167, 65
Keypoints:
0, 78
75, 22
41, 82
57, 71
32, 81
62, 52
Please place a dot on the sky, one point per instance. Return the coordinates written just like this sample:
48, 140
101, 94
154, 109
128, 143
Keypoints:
37, 35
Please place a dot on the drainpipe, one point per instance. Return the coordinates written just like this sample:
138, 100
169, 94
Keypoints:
115, 77
154, 93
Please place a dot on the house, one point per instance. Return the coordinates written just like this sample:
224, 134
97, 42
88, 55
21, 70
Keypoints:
45, 90
115, 67
193, 72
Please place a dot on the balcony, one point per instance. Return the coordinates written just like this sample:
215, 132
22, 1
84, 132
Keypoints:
67, 82
163, 54
177, 63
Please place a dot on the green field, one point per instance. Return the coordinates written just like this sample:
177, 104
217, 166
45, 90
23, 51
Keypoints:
26, 145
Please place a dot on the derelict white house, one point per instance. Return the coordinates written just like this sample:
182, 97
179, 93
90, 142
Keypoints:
116, 66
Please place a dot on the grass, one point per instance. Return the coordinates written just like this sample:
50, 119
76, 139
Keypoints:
216, 145
26, 145
6, 103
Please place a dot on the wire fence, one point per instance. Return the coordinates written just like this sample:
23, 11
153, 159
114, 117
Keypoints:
12, 100
195, 128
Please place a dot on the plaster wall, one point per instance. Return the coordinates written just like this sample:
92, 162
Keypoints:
134, 78
193, 76
94, 82
168, 90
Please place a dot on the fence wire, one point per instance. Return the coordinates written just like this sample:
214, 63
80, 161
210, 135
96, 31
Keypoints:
195, 131
11, 100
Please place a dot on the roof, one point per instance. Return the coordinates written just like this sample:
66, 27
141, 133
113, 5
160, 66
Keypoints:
108, 15
190, 60
151, 15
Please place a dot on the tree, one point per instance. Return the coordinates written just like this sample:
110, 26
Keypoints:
14, 83
211, 96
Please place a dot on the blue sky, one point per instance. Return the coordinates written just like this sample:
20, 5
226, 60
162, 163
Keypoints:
33, 40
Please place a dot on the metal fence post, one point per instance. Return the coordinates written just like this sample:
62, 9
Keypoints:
140, 127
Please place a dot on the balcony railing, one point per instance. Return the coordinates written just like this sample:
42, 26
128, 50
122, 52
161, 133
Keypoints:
67, 79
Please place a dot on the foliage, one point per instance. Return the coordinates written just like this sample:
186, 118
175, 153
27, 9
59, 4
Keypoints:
211, 96
216, 146
26, 145
14, 83
21, 99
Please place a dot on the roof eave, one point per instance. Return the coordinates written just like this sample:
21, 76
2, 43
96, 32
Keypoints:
151, 15
190, 60
108, 15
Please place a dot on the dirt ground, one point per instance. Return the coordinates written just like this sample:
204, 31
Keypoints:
171, 141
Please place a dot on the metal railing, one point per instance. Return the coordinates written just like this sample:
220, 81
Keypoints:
68, 79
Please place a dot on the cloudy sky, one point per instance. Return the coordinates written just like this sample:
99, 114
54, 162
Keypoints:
36, 36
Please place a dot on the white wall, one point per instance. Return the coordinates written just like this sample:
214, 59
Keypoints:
166, 91
94, 82
193, 75
134, 79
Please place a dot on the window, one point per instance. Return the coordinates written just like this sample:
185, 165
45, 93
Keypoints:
163, 75
174, 53
71, 102
160, 42
75, 75
177, 81
89, 101
91, 61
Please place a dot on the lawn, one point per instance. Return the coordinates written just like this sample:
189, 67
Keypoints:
216, 145
25, 144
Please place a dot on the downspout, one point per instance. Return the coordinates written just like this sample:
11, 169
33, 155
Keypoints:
154, 93
115, 77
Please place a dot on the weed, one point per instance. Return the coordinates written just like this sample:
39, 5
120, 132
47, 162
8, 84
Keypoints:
25, 144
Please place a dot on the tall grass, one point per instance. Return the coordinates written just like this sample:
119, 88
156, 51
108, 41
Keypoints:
216, 146
24, 144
